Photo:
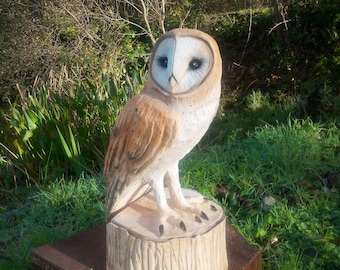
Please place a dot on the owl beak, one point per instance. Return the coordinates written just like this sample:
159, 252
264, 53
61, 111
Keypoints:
173, 82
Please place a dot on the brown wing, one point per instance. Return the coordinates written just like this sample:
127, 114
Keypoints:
143, 130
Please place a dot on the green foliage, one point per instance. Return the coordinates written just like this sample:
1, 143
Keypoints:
289, 163
73, 152
75, 65
303, 60
41, 38
49, 135
255, 110
45, 216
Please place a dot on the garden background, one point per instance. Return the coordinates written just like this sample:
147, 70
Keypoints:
271, 158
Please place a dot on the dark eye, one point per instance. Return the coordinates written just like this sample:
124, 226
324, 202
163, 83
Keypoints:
195, 64
163, 61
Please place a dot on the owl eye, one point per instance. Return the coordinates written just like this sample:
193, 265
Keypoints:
195, 64
163, 61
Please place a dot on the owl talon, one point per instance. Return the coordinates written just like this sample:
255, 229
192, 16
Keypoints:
197, 219
161, 229
182, 226
204, 216
213, 208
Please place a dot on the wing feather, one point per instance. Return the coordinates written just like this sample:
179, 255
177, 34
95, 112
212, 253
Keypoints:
143, 130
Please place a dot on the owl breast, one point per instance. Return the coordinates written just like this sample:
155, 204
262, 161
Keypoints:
193, 119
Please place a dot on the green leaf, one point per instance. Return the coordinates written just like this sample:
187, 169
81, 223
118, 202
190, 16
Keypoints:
28, 135
31, 119
75, 146
64, 143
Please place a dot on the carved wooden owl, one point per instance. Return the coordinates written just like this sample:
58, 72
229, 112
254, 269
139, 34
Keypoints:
158, 127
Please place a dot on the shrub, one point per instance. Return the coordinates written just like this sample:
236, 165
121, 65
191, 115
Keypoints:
41, 38
47, 134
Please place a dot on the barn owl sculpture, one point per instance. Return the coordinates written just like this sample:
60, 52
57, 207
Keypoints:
158, 127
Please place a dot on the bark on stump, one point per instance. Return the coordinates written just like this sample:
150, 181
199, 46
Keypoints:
133, 241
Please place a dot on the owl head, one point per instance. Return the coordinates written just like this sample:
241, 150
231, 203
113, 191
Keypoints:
184, 60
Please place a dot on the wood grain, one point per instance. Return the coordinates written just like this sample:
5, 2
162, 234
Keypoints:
133, 241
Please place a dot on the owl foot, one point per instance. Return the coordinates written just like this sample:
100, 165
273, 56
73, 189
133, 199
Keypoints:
161, 229
171, 222
179, 219
202, 215
181, 225
213, 208
196, 209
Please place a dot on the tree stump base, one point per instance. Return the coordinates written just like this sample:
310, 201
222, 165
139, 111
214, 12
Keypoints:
87, 251
133, 241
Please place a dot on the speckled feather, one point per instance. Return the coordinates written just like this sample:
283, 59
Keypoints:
143, 130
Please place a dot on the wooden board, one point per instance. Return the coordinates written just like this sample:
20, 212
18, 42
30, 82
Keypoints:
86, 251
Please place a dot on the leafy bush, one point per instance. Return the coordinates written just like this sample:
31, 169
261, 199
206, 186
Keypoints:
304, 60
48, 134
41, 38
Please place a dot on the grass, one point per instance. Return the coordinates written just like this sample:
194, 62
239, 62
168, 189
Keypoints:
278, 183
46, 215
293, 166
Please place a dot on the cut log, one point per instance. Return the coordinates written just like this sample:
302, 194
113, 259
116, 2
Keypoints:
133, 240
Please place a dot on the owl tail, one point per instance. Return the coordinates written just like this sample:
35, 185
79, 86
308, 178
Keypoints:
119, 196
